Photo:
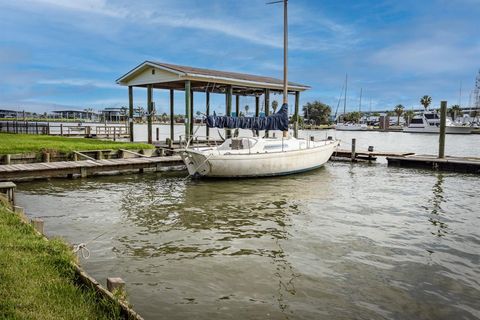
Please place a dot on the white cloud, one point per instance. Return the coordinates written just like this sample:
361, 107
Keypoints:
80, 82
427, 56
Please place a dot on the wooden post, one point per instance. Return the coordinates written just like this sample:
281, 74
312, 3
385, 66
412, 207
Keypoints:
150, 111
130, 111
354, 142
207, 103
37, 224
267, 106
36, 127
443, 120
46, 157
8, 159
172, 115
61, 129
157, 131
187, 109
228, 106
192, 114
295, 124
114, 133
237, 105
117, 286
48, 128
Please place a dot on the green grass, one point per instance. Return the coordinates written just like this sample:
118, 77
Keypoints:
23, 143
38, 280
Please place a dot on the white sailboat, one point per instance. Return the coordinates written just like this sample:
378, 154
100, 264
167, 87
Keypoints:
350, 126
260, 157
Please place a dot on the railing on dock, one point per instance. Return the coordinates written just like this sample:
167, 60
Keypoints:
99, 130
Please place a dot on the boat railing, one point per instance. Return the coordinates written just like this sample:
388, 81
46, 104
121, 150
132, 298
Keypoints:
192, 139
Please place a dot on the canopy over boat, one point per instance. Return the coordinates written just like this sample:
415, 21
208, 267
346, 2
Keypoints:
277, 121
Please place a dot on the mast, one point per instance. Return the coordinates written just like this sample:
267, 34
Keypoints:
360, 102
345, 98
285, 51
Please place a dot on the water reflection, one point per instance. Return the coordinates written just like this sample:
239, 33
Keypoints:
435, 208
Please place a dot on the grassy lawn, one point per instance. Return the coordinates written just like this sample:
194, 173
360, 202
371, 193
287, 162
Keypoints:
37, 279
23, 143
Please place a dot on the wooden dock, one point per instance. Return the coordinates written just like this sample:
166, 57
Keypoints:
366, 155
455, 164
87, 167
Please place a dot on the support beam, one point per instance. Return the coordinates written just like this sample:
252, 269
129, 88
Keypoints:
172, 114
228, 106
187, 109
150, 111
296, 114
192, 114
207, 103
257, 111
237, 105
130, 111
267, 106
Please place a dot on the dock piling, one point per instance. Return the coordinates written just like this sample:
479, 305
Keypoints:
354, 142
117, 286
37, 224
443, 120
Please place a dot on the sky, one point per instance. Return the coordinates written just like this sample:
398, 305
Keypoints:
57, 54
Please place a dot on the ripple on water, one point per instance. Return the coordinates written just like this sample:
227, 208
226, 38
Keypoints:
346, 241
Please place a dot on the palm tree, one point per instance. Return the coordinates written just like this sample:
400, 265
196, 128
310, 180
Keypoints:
246, 109
454, 110
398, 111
408, 115
274, 106
426, 101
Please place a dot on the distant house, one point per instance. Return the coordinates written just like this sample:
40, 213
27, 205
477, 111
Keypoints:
8, 114
76, 114
114, 114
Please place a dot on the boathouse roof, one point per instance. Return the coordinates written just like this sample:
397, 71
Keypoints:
170, 76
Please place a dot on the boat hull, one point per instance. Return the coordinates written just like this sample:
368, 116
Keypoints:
257, 165
341, 127
434, 129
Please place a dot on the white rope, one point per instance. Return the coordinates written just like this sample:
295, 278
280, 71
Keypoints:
82, 247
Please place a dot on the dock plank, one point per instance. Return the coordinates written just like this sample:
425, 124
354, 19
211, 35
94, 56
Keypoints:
64, 168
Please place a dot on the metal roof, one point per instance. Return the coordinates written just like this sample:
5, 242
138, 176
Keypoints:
250, 83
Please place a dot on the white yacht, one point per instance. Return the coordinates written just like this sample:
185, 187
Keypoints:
350, 126
258, 157
429, 122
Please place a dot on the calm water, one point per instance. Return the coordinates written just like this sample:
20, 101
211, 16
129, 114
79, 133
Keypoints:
345, 241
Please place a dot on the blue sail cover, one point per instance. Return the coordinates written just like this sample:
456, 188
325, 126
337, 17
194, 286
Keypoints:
277, 121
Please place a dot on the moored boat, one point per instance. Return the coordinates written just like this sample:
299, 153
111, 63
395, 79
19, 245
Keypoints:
258, 157
429, 122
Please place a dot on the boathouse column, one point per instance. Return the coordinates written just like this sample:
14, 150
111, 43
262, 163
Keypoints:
295, 124
207, 103
257, 110
172, 115
267, 106
150, 112
187, 108
192, 114
228, 106
130, 111
237, 105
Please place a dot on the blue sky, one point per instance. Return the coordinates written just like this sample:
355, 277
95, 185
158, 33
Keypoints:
57, 53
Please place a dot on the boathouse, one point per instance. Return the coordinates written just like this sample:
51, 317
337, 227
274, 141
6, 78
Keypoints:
158, 75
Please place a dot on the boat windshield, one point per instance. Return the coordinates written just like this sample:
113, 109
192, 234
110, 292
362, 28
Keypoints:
238, 144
